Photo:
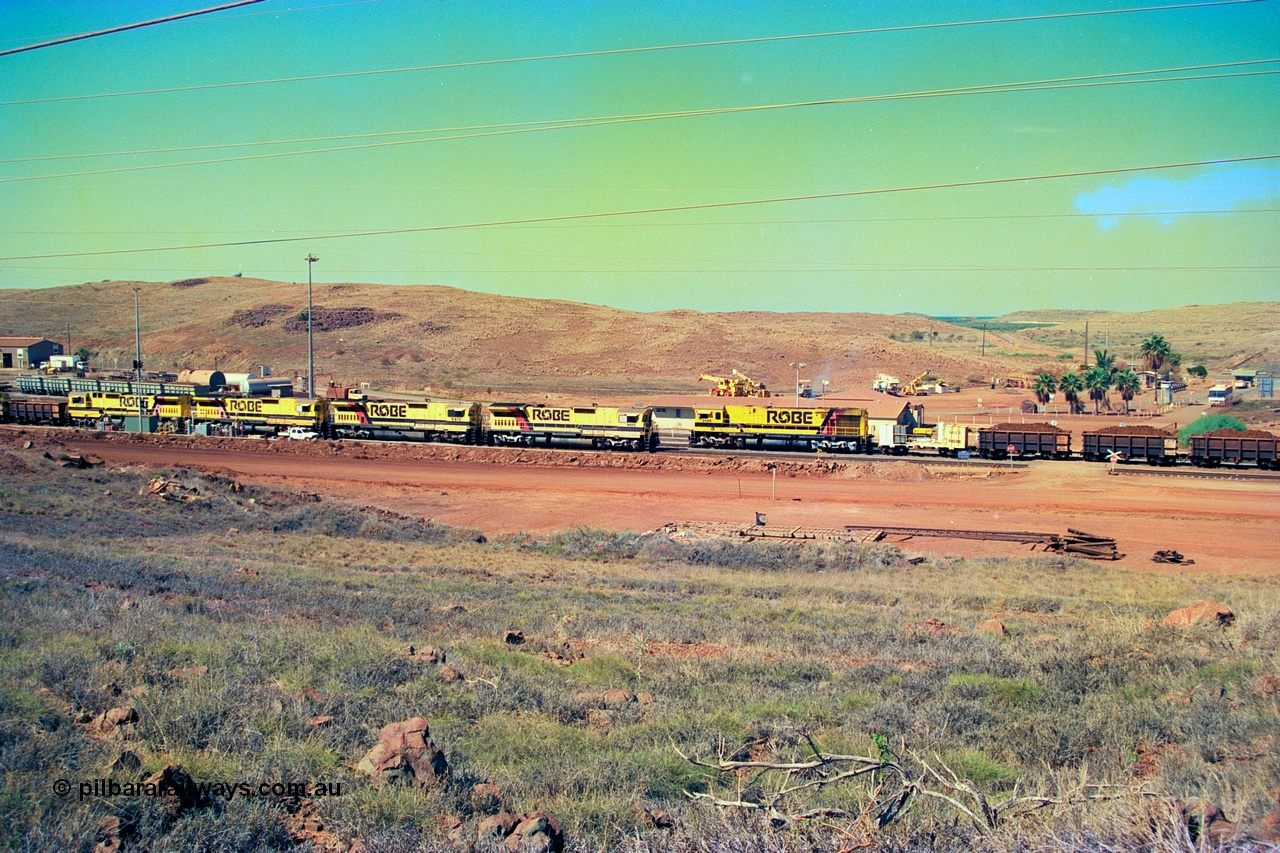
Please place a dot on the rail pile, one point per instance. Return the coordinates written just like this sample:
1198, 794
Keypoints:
1074, 543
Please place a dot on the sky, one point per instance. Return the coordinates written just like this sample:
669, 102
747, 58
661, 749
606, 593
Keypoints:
843, 156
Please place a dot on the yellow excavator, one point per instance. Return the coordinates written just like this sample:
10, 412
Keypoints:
914, 388
738, 385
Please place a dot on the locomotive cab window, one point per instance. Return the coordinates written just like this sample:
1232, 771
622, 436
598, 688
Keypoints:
457, 413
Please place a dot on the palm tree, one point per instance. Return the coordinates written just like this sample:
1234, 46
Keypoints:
1098, 380
1071, 384
1155, 352
1128, 384
1043, 387
1106, 360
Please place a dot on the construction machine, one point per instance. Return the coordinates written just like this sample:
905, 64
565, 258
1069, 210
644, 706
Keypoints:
737, 385
914, 388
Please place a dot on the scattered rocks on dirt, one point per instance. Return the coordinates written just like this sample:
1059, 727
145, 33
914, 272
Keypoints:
427, 654
169, 490
1201, 613
404, 753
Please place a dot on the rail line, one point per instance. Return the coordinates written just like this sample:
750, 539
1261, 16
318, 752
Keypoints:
1199, 474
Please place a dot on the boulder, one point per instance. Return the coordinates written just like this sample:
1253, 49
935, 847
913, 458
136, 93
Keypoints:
513, 638
497, 827
109, 721
1201, 613
1266, 685
449, 675
486, 798
1268, 829
176, 791
618, 698
992, 626
537, 832
404, 753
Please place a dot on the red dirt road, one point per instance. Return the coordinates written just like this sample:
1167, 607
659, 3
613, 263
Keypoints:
1226, 526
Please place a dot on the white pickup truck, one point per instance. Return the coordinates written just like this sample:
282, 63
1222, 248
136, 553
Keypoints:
301, 434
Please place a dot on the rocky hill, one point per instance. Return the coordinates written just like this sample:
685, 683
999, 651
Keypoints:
443, 340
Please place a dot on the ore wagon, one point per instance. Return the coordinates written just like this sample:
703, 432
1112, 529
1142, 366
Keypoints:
1235, 448
1035, 439
1123, 443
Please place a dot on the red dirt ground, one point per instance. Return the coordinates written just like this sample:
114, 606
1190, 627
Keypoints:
1226, 526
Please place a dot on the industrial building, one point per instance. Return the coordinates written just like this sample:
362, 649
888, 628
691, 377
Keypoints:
26, 353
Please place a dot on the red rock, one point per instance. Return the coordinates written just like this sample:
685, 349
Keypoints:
486, 797
537, 832
497, 827
1266, 685
449, 675
618, 698
1268, 829
1201, 613
404, 753
109, 721
992, 626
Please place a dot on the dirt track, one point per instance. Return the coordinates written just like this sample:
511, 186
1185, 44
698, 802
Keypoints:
1225, 526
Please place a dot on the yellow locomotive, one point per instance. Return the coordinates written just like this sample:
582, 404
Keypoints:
435, 421
107, 409
604, 426
809, 428
268, 415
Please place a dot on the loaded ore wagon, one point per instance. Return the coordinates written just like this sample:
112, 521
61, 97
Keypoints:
1156, 446
1036, 439
1235, 448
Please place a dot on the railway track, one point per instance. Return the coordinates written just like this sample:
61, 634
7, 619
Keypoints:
1200, 473
936, 461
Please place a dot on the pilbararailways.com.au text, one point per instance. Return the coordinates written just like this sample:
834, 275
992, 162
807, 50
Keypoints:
110, 788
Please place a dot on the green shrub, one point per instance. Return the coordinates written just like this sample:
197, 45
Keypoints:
1207, 423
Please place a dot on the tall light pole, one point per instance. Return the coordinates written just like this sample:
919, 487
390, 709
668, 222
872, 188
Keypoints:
137, 362
311, 353
797, 365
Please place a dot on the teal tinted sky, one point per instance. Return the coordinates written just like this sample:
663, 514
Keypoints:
1125, 241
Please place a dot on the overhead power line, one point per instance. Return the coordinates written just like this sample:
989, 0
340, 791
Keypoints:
123, 28
600, 121
629, 50
1075, 81
717, 205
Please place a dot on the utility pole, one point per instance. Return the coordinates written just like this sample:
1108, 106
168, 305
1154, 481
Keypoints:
137, 364
797, 365
311, 353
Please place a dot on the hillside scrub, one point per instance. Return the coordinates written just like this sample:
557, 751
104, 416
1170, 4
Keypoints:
634, 650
